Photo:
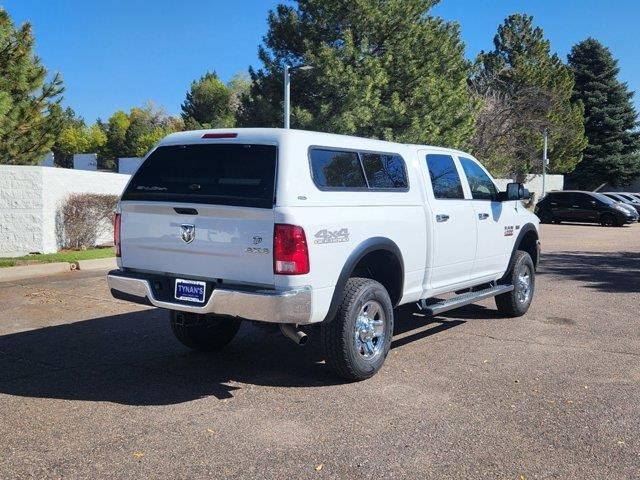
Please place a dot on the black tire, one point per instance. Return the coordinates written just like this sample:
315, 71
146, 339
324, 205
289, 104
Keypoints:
205, 333
516, 302
608, 220
347, 348
546, 217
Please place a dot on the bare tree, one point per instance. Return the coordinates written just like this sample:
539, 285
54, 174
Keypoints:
510, 125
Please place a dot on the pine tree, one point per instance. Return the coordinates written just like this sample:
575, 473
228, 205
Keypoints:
381, 69
208, 104
613, 152
533, 90
30, 117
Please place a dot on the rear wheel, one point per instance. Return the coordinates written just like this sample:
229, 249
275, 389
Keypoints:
608, 220
523, 278
205, 333
356, 342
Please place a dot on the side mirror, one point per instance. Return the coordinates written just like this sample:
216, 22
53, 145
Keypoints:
515, 191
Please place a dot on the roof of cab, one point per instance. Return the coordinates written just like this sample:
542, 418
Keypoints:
271, 135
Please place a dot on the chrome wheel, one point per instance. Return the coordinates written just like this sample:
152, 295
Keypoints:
369, 336
523, 285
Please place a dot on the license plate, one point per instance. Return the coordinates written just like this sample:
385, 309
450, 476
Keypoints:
190, 290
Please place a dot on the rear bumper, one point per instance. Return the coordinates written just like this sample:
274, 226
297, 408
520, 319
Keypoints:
274, 306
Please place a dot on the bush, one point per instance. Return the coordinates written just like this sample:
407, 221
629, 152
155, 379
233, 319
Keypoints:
85, 217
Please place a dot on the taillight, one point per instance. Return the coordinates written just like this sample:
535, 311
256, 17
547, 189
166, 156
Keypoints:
290, 252
116, 233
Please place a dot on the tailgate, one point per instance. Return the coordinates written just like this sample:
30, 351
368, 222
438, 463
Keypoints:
202, 210
220, 242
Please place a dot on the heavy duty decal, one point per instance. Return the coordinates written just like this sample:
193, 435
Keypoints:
508, 231
329, 236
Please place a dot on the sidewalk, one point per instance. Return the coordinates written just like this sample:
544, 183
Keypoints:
11, 274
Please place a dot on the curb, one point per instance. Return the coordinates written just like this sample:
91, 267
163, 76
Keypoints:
99, 264
10, 274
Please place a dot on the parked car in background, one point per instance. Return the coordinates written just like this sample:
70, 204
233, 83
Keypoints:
625, 199
634, 195
588, 207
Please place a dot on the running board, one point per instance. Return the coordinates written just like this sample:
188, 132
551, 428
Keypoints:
462, 300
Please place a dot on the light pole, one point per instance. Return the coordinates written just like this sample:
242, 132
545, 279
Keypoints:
287, 91
545, 161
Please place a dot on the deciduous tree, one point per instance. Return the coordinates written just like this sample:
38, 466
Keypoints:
525, 90
133, 134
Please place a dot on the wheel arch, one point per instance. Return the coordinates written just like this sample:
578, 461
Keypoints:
528, 240
378, 258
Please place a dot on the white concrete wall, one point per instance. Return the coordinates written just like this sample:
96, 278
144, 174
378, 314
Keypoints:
534, 184
20, 210
30, 198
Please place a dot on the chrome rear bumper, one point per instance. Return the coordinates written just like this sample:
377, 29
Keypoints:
273, 306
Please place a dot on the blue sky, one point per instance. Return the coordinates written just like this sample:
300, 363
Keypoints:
121, 53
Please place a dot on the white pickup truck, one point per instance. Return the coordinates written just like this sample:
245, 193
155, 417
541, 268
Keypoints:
299, 228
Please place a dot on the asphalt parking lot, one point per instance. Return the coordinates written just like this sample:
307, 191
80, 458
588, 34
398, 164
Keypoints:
93, 387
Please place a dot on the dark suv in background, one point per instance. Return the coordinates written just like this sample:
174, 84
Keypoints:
577, 206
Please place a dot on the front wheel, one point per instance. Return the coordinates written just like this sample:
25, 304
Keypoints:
356, 342
608, 220
522, 276
205, 333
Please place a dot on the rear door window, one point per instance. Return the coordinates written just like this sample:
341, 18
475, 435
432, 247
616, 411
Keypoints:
562, 199
583, 200
221, 174
444, 177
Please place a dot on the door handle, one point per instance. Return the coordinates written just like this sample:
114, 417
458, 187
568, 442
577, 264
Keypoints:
483, 216
442, 218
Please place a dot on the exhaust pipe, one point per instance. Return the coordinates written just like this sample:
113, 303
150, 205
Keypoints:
297, 336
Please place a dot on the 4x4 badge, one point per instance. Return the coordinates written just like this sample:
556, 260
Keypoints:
187, 232
331, 236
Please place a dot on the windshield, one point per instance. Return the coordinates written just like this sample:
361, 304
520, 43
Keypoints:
604, 199
627, 197
220, 174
